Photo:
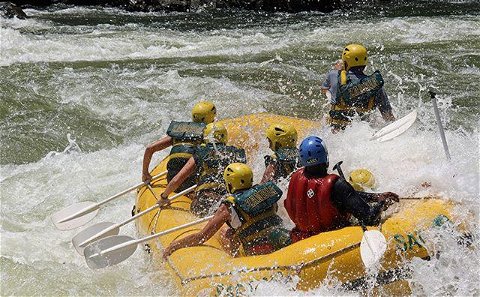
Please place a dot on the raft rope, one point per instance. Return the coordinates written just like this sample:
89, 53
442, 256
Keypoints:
295, 268
154, 227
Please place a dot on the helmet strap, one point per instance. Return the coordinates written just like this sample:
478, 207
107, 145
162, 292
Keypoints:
229, 188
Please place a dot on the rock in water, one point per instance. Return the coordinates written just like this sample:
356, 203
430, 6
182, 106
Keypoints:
10, 10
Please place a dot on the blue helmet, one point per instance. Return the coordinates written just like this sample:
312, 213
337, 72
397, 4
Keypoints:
313, 151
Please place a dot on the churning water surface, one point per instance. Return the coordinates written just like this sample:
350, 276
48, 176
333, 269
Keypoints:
83, 90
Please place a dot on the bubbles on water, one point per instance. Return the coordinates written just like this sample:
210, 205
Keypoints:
277, 58
454, 266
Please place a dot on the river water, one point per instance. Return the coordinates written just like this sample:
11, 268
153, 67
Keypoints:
84, 90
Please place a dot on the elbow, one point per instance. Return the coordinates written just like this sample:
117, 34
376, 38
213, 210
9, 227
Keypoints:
149, 150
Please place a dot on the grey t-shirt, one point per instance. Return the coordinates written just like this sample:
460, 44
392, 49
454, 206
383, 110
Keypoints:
331, 84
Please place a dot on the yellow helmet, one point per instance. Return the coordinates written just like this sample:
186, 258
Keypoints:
361, 179
282, 135
354, 55
204, 112
238, 176
215, 132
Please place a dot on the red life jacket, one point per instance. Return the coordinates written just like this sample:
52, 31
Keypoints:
310, 207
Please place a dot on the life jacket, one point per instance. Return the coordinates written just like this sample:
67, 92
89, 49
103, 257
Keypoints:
185, 137
212, 160
257, 218
310, 207
285, 161
355, 97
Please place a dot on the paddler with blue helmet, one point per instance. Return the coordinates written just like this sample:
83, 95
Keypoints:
254, 228
318, 202
356, 94
208, 161
282, 139
183, 137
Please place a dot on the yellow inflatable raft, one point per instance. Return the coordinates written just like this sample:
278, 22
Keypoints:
208, 270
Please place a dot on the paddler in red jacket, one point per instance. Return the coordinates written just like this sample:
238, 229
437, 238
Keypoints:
318, 202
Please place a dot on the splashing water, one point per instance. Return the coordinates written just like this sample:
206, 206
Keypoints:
112, 81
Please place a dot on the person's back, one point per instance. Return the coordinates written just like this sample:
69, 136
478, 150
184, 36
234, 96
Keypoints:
207, 162
282, 140
308, 203
256, 225
183, 138
212, 158
372, 98
357, 94
313, 209
253, 227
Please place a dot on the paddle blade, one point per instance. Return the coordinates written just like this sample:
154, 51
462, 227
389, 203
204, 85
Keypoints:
396, 128
97, 256
62, 214
93, 233
372, 247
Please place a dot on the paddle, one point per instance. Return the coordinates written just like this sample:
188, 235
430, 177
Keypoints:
106, 229
396, 128
373, 244
418, 198
339, 169
115, 249
439, 123
81, 213
372, 247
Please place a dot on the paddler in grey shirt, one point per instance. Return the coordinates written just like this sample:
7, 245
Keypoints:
330, 84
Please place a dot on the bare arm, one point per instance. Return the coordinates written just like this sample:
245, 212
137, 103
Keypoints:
181, 176
388, 116
346, 199
149, 151
351, 201
384, 106
222, 215
268, 174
